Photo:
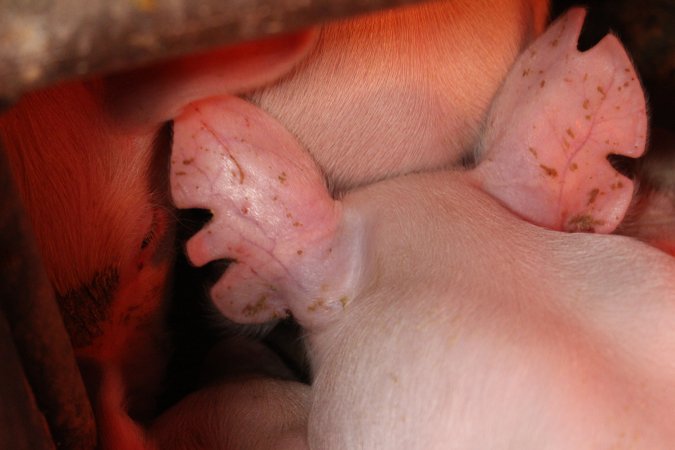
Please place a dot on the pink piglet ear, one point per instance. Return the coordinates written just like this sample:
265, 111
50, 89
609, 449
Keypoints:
148, 96
558, 116
272, 214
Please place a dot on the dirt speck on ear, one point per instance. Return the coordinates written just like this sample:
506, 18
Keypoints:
582, 223
549, 171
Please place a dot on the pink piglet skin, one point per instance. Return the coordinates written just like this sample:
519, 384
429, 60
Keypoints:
456, 309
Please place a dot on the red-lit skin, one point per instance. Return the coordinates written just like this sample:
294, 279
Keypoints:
91, 206
85, 175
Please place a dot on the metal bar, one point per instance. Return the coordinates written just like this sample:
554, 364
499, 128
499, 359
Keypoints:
44, 41
28, 307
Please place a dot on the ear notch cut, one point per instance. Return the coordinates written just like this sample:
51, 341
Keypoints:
154, 94
558, 116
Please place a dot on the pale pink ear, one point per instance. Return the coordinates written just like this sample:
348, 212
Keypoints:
558, 116
272, 214
151, 95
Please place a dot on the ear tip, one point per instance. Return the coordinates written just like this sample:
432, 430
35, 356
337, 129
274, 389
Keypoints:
576, 14
575, 18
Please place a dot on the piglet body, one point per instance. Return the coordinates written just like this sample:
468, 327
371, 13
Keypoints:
535, 339
467, 326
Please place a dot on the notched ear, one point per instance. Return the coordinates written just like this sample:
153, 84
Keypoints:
272, 214
551, 128
151, 95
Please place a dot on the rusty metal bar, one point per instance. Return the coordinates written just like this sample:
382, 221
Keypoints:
29, 311
44, 41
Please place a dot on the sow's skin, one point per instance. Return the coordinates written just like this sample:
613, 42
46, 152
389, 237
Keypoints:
445, 309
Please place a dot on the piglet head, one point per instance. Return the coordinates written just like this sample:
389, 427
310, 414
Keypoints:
295, 249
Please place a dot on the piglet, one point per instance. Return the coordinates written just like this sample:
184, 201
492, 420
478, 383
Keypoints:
95, 185
446, 309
